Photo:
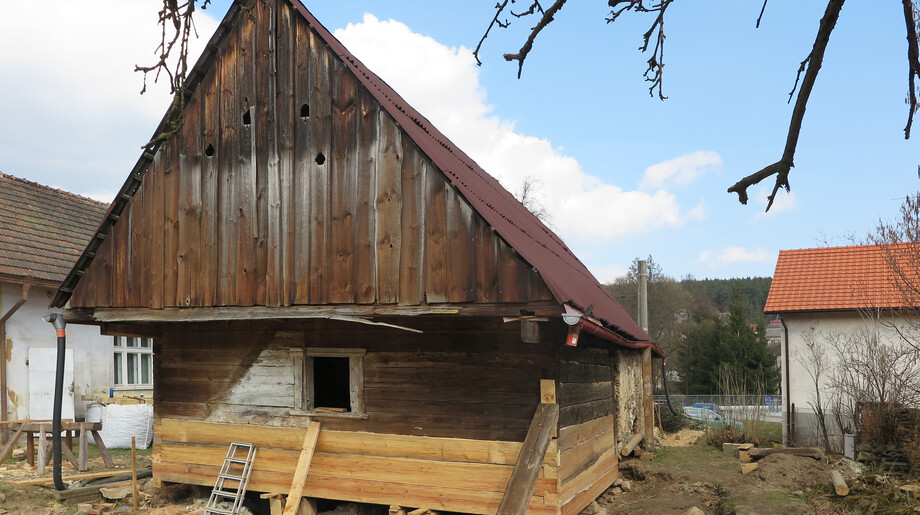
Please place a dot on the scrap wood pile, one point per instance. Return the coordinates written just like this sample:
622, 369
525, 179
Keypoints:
788, 462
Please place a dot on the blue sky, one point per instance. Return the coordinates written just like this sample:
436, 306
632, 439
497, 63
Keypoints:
624, 175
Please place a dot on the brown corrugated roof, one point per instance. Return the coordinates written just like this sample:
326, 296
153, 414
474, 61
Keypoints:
43, 229
839, 278
565, 275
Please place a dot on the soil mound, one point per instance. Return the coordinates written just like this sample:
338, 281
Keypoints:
790, 473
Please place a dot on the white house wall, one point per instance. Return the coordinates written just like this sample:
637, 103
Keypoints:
801, 390
92, 352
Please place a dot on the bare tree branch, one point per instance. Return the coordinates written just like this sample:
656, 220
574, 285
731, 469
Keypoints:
498, 11
782, 167
544, 21
912, 20
762, 9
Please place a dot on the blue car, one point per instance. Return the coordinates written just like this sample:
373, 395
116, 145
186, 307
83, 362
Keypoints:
712, 419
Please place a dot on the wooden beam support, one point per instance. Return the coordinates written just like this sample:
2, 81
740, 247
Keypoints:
633, 442
303, 468
10, 445
527, 469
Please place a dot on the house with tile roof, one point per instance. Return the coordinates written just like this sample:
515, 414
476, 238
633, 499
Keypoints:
42, 231
314, 257
834, 292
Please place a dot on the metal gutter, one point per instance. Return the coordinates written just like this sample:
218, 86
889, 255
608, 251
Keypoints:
579, 322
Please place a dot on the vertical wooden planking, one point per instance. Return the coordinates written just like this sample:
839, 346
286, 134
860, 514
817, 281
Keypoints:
246, 201
280, 186
300, 217
171, 224
209, 266
486, 254
266, 157
104, 257
342, 185
436, 244
365, 277
229, 168
412, 225
509, 276
460, 267
388, 211
139, 234
189, 205
318, 170
157, 225
119, 236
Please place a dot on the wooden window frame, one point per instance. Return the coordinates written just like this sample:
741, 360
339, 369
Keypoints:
120, 347
355, 379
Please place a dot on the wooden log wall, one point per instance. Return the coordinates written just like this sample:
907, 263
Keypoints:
444, 474
587, 442
296, 189
467, 379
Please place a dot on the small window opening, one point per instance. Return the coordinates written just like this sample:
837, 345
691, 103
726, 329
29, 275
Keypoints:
331, 382
209, 151
247, 118
320, 158
305, 111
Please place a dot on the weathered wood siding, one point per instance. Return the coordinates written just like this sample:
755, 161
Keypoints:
587, 442
296, 188
466, 379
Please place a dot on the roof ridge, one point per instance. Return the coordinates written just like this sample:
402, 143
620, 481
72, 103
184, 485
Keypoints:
43, 187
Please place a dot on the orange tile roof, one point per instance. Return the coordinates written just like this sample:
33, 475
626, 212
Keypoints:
840, 278
43, 229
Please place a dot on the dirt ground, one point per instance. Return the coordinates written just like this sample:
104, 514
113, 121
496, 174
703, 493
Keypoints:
681, 476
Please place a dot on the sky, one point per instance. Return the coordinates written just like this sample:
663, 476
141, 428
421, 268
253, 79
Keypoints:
621, 174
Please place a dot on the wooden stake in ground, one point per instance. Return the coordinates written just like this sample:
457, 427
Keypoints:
840, 486
134, 472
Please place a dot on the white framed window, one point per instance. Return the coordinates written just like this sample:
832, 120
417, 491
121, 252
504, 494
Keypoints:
133, 362
334, 381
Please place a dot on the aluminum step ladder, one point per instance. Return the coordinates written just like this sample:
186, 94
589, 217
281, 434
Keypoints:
232, 480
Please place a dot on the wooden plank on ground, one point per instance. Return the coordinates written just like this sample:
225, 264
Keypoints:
303, 469
524, 477
67, 479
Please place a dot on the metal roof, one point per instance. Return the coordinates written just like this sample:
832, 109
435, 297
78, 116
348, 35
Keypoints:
566, 276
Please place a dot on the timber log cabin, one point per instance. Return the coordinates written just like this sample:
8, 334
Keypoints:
306, 247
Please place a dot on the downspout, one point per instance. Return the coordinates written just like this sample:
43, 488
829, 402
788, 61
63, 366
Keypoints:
787, 398
58, 320
3, 350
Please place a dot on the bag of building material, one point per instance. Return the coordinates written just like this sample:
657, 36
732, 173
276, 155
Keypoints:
121, 422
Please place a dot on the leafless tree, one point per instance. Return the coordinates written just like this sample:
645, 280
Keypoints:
813, 358
530, 195
809, 66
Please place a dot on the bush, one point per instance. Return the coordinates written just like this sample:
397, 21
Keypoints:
671, 423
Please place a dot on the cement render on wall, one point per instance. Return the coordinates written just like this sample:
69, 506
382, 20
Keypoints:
25, 329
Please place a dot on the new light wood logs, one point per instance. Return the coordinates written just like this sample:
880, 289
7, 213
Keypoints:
633, 442
840, 486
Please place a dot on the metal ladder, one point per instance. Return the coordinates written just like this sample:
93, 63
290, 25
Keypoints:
232, 480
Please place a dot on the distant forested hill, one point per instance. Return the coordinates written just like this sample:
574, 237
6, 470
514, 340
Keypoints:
754, 292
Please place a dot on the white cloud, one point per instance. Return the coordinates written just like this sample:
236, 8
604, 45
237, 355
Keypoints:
608, 273
682, 170
734, 255
71, 108
784, 202
443, 84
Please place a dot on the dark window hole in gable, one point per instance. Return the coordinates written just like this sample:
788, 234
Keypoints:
320, 158
331, 383
305, 111
209, 151
247, 117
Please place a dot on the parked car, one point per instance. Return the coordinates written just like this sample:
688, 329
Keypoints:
708, 405
712, 419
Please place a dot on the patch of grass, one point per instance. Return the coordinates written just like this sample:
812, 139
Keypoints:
686, 457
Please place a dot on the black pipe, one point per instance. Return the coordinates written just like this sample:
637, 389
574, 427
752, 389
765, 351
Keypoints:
664, 381
58, 320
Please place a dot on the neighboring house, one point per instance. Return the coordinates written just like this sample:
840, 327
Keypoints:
821, 295
308, 247
42, 231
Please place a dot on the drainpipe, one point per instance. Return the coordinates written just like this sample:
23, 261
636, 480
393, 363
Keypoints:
58, 320
3, 350
787, 398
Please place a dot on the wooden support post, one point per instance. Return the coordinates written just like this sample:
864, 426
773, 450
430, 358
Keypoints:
303, 468
30, 448
527, 469
840, 486
67, 453
274, 502
42, 457
84, 449
134, 472
633, 442
102, 450
9, 446
396, 510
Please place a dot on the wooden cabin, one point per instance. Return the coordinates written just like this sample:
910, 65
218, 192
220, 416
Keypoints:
308, 247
